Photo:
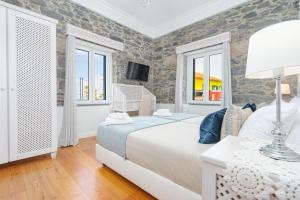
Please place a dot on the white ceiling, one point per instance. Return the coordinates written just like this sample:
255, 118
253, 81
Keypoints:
161, 16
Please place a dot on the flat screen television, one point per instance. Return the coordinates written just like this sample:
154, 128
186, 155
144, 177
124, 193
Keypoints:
136, 71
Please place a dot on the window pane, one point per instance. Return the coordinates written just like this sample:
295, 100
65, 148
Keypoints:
99, 84
198, 79
82, 75
215, 77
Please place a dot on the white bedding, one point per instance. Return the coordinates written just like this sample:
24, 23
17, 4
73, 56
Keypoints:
171, 150
195, 120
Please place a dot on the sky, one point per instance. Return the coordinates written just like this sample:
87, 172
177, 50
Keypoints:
82, 69
215, 65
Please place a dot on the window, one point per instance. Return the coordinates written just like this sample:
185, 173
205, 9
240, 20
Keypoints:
93, 67
215, 77
204, 76
82, 75
198, 86
99, 83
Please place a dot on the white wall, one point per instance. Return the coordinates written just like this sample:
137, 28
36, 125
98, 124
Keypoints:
169, 106
195, 109
200, 109
88, 118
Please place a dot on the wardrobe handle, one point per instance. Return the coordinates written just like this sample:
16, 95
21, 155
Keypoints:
12, 89
2, 89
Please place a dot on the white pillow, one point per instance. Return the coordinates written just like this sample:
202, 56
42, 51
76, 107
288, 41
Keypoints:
295, 100
260, 123
294, 136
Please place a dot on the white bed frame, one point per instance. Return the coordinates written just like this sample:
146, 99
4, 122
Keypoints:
158, 186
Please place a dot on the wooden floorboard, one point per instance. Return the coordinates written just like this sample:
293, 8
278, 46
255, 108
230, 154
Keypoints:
72, 175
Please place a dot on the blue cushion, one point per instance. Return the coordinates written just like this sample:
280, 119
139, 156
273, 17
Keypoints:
252, 106
210, 128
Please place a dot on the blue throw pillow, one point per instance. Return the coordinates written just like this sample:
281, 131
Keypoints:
210, 128
252, 106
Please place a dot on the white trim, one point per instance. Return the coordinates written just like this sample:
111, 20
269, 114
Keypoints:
206, 9
12, 96
211, 41
158, 186
190, 49
205, 54
94, 38
28, 12
181, 59
3, 87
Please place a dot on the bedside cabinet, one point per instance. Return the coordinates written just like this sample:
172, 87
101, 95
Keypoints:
233, 169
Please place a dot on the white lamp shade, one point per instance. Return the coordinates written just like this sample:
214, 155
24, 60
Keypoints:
274, 50
285, 89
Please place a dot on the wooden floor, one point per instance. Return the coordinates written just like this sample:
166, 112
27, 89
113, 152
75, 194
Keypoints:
72, 175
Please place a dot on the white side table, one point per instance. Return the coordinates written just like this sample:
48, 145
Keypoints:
250, 174
214, 162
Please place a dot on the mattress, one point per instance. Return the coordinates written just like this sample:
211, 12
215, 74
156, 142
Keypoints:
170, 150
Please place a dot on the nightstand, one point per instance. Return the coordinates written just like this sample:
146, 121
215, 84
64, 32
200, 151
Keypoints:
233, 169
213, 164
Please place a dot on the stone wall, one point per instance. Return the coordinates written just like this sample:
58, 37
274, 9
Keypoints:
242, 22
138, 48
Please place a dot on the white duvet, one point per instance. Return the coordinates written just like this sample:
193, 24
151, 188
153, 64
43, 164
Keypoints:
171, 150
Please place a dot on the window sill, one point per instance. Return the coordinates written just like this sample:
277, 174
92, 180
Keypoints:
94, 104
205, 103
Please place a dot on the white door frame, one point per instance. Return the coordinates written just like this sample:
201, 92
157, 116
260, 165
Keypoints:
3, 88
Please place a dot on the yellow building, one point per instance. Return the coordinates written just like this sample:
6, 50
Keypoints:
215, 87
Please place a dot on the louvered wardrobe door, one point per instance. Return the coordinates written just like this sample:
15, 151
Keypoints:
32, 85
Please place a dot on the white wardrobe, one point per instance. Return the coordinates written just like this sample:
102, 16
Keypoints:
27, 84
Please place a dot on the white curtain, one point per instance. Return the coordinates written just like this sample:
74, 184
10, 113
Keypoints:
68, 134
179, 83
227, 93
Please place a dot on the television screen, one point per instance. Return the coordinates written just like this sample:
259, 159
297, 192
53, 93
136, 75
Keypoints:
137, 71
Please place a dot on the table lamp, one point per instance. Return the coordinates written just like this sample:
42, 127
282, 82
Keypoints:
274, 52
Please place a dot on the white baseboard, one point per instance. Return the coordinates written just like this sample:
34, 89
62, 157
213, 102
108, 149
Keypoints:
86, 135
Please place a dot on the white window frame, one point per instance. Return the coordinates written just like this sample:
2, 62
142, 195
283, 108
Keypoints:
96, 49
202, 53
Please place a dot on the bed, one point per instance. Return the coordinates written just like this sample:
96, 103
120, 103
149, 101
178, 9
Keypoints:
163, 159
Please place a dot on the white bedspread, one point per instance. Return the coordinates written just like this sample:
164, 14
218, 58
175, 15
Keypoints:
171, 150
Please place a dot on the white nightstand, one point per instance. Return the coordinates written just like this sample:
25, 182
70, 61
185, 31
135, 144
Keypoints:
214, 162
250, 174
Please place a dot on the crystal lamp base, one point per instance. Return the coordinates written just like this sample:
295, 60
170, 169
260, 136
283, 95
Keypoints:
283, 153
